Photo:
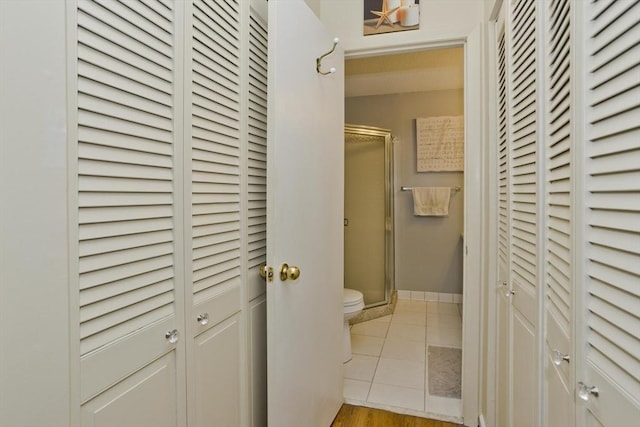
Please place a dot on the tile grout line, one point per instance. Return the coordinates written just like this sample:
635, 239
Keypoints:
379, 357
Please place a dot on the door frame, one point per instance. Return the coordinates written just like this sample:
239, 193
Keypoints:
475, 201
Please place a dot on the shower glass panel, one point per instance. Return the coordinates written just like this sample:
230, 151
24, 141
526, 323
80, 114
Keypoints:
368, 213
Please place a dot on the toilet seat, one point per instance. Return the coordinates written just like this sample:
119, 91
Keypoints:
353, 301
351, 297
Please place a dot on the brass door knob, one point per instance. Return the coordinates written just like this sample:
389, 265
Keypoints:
266, 272
289, 272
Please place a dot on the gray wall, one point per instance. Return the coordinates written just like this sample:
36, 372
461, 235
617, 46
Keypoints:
428, 249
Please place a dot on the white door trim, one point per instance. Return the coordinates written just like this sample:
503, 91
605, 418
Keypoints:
475, 199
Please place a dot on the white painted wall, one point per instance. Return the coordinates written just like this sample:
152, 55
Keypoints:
314, 5
439, 20
34, 296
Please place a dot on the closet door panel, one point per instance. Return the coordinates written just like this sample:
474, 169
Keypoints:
258, 370
523, 110
612, 215
560, 401
523, 149
222, 305
524, 372
215, 155
128, 250
503, 363
217, 369
559, 214
214, 160
503, 404
147, 398
256, 152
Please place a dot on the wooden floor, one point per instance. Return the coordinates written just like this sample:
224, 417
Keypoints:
357, 416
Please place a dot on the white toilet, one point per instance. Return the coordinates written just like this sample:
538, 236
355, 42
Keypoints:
353, 305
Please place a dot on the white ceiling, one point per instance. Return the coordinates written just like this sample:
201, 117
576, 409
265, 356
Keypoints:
423, 71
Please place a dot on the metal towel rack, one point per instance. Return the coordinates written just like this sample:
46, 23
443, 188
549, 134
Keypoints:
456, 188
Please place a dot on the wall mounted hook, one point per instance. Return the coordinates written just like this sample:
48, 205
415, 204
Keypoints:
319, 59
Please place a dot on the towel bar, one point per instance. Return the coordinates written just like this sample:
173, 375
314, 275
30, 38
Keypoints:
456, 188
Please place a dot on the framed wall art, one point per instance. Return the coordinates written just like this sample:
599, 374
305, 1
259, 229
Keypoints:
388, 16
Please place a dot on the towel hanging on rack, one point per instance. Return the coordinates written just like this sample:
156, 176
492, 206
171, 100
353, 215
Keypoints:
431, 201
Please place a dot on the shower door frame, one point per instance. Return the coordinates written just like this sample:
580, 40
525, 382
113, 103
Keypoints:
389, 235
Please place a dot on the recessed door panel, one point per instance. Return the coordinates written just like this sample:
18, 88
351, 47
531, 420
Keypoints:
147, 398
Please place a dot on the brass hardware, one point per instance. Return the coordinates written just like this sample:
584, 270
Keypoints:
266, 273
289, 273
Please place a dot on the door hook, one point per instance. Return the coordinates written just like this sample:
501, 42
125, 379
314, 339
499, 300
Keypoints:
319, 60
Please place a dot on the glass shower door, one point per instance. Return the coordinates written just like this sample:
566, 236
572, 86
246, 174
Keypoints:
368, 231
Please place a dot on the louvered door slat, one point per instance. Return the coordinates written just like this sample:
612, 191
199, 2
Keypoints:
120, 287
97, 151
117, 127
125, 172
134, 22
121, 243
120, 76
100, 51
99, 91
162, 7
215, 149
111, 326
125, 50
116, 303
213, 140
154, 12
88, 200
613, 213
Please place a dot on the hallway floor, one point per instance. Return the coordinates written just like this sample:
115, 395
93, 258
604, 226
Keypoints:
390, 364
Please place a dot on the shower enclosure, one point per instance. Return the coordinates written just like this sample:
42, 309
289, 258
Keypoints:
368, 213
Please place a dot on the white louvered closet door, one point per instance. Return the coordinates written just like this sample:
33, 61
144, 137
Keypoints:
129, 249
523, 213
612, 212
558, 216
214, 88
504, 303
256, 153
256, 229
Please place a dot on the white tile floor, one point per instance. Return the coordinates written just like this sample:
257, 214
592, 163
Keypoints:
389, 365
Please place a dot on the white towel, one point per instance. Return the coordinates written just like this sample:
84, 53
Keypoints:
431, 201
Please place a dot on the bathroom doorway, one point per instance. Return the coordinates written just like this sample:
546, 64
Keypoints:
368, 213
401, 360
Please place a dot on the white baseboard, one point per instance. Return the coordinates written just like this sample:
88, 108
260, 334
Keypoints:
430, 296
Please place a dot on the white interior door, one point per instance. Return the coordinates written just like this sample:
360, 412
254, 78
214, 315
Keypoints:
610, 378
524, 187
305, 219
558, 216
503, 299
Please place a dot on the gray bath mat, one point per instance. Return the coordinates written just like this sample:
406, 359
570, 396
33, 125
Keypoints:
445, 371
